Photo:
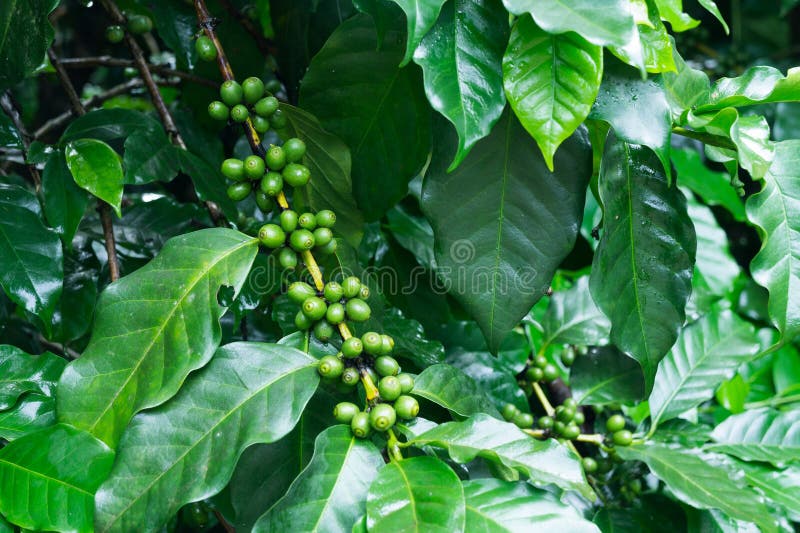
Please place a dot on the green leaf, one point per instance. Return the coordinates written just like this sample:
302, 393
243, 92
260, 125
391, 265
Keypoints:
328, 159
48, 479
149, 156
170, 327
781, 487
31, 413
451, 388
186, 449
330, 494
651, 49
786, 370
708, 351
30, 253
410, 340
357, 91
96, 168
176, 24
209, 183
760, 435
672, 12
461, 63
776, 212
416, 494
732, 394
108, 125
64, 202
601, 23
712, 8
507, 507
492, 374
684, 88
714, 260
642, 268
503, 222
9, 135
700, 481
551, 82
604, 376
413, 233
758, 85
713, 187
421, 16
21, 373
573, 318
505, 444
652, 514
25, 36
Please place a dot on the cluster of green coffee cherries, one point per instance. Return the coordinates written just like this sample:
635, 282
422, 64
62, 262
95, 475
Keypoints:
248, 100
564, 424
322, 311
136, 24
295, 234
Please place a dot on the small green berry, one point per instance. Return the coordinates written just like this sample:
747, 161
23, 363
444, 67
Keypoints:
534, 374
357, 310
231, 93
389, 388
233, 169
540, 361
205, 48
382, 417
260, 124
295, 149
299, 291
329, 248
545, 422
371, 342
330, 366
314, 308
272, 184
406, 382
239, 191
264, 201
296, 175
623, 437
301, 240
360, 425
364, 292
271, 235
589, 465
615, 423
406, 407
254, 167
386, 365
568, 356
335, 314
266, 106
570, 402
344, 412
275, 158
635, 485
559, 427
509, 411
350, 376
139, 24
565, 413
332, 290
571, 431
218, 111
239, 113
307, 221
351, 287
326, 218
579, 418
287, 258
252, 90
278, 120
274, 86
288, 220
115, 34
302, 321
523, 420
352, 347
323, 330
550, 372
387, 344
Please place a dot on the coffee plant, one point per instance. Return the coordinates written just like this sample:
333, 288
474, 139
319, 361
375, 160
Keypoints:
407, 265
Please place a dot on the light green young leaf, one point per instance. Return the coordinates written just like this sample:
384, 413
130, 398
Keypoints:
684, 88
651, 49
421, 16
672, 12
713, 187
31, 413
712, 8
758, 85
96, 167
21, 373
760, 435
714, 260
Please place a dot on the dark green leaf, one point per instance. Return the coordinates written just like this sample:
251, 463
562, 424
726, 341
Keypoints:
21, 373
417, 494
413, 233
421, 15
684, 88
209, 183
410, 340
358, 92
605, 375
31, 413
461, 62
573, 318
108, 125
9, 135
642, 269
651, 515
25, 36
96, 168
64, 202
713, 187
551, 82
48, 479
171, 327
329, 494
492, 374
176, 23
452, 389
781, 487
503, 222
760, 435
149, 156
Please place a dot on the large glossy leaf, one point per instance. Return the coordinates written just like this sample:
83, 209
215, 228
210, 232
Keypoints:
551, 82
328, 159
513, 507
461, 63
96, 168
758, 85
329, 495
707, 353
421, 16
503, 222
505, 444
149, 156
684, 88
357, 91
109, 125
781, 487
25, 35
776, 211
416, 494
605, 375
64, 202
642, 268
34, 411
410, 340
176, 23
601, 23
493, 375
186, 449
760, 435
48, 479
21, 373
702, 481
30, 254
208, 181
451, 388
713, 187
152, 328
573, 318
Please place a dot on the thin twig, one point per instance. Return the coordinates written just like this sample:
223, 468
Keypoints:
224, 523
10, 108
108, 61
264, 46
58, 348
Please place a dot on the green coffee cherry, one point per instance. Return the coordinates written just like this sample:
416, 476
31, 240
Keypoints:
357, 310
332, 291
550, 372
260, 124
231, 93
360, 425
570, 402
371, 342
266, 106
406, 382
335, 313
294, 149
307, 221
275, 158
406, 407
288, 220
615, 423
271, 235
139, 24
239, 113
364, 292
278, 120
264, 201
635, 486
326, 218
205, 48
589, 465
301, 240
509, 411
233, 169
252, 90
351, 285
272, 184
299, 291
254, 167
540, 361
389, 388
559, 427
382, 417
352, 347
623, 437
115, 34
239, 191
565, 413
571, 431
344, 412
545, 422
568, 356
534, 374
350, 376
329, 248
330, 366
218, 111
130, 72
302, 321
523, 420
323, 330
386, 365
314, 308
287, 258
274, 86
296, 175
579, 418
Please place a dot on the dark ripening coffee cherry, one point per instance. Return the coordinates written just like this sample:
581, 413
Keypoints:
350, 376
271, 235
622, 437
386, 365
360, 425
332, 291
266, 106
278, 120
272, 184
329, 248
296, 175
351, 286
382, 417
387, 344
288, 220
218, 111
115, 34
254, 167
330, 366
299, 291
302, 321
344, 412
589, 465
239, 113
231, 93
406, 382
264, 201
509, 411
406, 407
523, 420
323, 330
307, 221
301, 240
260, 124
389, 388
326, 218
275, 158
357, 310
545, 422
550, 372
294, 149
314, 308
615, 423
287, 258
335, 314
239, 191
253, 90
534, 374
371, 342
139, 24
205, 48
352, 347
233, 169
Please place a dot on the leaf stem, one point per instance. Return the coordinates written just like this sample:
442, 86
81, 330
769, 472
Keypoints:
707, 138
595, 438
369, 386
535, 433
548, 407
773, 402
109, 61
392, 446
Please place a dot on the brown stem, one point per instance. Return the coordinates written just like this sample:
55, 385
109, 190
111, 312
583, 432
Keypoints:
224, 523
108, 61
102, 207
58, 348
11, 109
264, 46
